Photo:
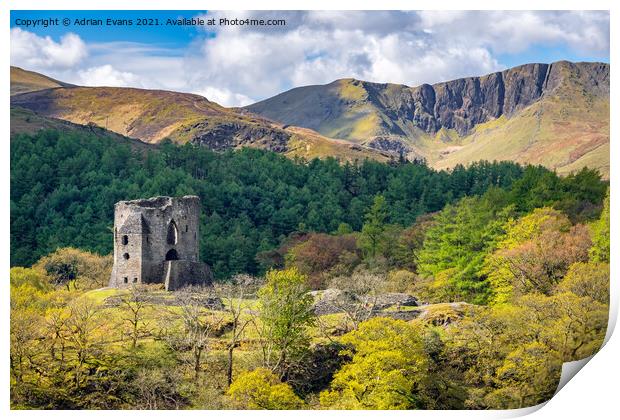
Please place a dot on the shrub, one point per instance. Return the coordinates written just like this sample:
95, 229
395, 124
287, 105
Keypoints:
262, 390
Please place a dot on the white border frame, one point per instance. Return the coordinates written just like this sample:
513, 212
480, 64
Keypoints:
592, 394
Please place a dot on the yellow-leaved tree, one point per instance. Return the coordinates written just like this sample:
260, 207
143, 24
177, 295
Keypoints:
260, 389
534, 254
285, 313
387, 371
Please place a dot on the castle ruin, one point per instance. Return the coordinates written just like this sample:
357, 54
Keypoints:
156, 241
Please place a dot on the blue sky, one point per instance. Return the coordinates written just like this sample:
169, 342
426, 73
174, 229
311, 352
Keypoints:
549, 54
239, 65
173, 37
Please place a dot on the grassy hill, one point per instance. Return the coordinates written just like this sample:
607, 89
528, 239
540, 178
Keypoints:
28, 122
154, 115
23, 81
551, 114
561, 135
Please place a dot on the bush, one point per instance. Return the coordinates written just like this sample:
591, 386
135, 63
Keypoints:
387, 371
400, 281
262, 390
75, 268
321, 256
534, 254
589, 279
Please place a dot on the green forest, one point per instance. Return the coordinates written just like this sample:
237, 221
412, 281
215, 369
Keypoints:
64, 187
359, 285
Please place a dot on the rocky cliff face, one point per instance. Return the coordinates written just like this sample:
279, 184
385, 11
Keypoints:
461, 104
458, 104
230, 135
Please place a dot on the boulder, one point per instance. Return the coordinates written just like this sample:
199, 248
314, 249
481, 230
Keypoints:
332, 301
387, 300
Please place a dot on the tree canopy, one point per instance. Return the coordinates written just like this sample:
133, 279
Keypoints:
64, 187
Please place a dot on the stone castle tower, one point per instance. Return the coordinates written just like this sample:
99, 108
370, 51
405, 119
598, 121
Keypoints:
156, 241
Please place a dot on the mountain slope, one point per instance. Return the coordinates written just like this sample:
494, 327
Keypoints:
153, 115
556, 115
553, 114
28, 122
23, 81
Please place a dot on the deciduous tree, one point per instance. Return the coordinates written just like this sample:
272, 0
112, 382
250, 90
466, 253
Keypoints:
285, 312
260, 389
387, 371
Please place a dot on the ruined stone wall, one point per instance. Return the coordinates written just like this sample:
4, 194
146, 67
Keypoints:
128, 260
149, 232
179, 274
165, 213
128, 253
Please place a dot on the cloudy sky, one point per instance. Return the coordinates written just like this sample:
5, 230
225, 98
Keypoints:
239, 65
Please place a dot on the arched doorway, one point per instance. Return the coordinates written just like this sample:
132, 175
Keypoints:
173, 233
171, 255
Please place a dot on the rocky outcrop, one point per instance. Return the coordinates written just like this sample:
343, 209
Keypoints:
388, 300
461, 104
229, 135
391, 305
332, 301
438, 314
388, 144
183, 297
458, 104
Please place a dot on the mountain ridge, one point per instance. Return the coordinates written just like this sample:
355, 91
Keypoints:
154, 115
499, 93
556, 115
439, 122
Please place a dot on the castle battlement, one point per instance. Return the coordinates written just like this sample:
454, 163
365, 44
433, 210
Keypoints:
156, 240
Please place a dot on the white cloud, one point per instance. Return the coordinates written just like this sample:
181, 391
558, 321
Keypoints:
99, 64
240, 65
106, 75
224, 96
42, 53
324, 46
154, 68
515, 31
